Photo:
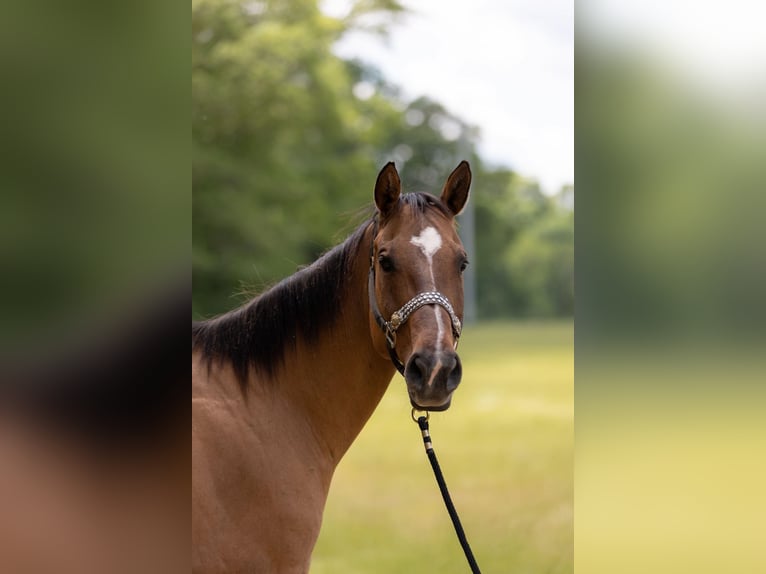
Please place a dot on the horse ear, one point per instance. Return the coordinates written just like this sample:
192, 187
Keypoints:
455, 192
387, 189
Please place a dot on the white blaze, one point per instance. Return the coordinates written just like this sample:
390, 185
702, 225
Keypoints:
429, 241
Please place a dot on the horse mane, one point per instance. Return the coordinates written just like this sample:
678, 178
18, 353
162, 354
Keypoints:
258, 333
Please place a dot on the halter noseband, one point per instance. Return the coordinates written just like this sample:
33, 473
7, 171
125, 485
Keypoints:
399, 318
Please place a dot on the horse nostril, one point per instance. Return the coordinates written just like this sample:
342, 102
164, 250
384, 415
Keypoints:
417, 370
453, 379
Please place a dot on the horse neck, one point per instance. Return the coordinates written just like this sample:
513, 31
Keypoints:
336, 382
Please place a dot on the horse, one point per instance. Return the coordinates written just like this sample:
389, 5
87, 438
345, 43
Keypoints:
282, 385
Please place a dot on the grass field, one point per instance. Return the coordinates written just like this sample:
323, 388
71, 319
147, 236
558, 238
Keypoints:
506, 449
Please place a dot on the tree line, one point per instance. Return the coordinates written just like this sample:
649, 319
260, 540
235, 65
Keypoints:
288, 139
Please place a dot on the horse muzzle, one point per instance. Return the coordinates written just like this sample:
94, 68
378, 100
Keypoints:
431, 379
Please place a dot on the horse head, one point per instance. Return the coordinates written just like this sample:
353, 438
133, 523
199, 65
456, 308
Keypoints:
416, 284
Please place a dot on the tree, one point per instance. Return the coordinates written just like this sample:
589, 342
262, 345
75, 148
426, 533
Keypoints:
287, 140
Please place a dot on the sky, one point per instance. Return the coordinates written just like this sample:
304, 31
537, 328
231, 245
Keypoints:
505, 66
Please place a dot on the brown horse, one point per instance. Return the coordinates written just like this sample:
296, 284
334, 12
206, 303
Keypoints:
282, 386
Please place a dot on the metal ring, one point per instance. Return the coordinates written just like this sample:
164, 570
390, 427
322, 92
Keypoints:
412, 414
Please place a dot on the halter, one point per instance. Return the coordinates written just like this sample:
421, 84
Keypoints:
399, 318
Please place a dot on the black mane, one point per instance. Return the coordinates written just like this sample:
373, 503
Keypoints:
258, 333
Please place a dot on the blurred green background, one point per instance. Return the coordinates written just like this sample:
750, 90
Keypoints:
671, 275
95, 210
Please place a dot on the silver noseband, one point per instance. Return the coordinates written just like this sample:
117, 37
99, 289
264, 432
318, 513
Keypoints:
398, 318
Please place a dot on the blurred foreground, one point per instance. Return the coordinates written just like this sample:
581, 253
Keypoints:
94, 443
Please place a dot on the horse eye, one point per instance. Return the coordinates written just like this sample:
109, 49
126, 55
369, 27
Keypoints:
385, 263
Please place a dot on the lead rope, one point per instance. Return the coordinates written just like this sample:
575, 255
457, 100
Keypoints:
423, 424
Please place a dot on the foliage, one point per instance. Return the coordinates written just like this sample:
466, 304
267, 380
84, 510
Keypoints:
287, 141
525, 248
668, 167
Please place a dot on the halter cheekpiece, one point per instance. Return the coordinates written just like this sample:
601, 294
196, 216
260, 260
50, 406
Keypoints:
399, 317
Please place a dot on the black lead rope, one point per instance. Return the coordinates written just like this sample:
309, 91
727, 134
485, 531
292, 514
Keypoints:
423, 424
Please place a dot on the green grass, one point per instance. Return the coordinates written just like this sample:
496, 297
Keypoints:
506, 449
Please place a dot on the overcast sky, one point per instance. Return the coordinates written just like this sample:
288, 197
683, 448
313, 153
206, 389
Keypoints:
506, 66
